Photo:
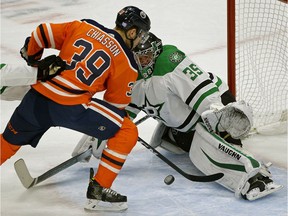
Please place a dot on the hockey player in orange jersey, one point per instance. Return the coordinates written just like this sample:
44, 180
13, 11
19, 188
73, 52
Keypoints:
92, 58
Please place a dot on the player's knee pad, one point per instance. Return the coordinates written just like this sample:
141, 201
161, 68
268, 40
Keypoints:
130, 131
211, 154
125, 139
162, 137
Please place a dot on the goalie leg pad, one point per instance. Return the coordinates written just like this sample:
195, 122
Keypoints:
157, 135
17, 75
166, 143
168, 146
259, 186
85, 143
211, 154
11, 93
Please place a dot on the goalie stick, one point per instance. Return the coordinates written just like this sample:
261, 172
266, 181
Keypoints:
28, 181
208, 178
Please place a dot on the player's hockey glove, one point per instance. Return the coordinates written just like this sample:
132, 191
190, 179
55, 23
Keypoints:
49, 67
31, 60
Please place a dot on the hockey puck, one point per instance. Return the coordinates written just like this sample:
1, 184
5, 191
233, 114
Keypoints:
169, 179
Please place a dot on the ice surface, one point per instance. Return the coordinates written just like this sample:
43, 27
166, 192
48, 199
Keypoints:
198, 28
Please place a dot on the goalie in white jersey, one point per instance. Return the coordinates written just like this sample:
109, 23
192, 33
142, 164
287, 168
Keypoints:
198, 114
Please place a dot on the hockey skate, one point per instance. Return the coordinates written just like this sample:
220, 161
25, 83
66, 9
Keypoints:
104, 199
260, 186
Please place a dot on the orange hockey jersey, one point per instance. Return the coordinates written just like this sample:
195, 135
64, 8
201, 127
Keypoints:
96, 57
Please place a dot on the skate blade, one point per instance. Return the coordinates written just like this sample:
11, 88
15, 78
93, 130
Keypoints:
98, 205
252, 196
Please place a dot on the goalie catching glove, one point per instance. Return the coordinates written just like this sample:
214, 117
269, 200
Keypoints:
235, 118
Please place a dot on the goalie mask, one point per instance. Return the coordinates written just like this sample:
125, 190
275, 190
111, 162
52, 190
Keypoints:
146, 54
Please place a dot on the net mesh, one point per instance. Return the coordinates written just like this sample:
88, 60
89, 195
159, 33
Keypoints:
261, 58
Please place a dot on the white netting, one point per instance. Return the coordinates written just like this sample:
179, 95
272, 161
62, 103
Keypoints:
261, 59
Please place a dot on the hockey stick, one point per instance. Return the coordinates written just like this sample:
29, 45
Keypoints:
28, 181
144, 118
207, 178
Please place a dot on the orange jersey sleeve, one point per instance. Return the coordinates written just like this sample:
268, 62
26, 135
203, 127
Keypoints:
96, 60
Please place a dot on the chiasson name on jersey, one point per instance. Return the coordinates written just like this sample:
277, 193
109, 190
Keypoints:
102, 38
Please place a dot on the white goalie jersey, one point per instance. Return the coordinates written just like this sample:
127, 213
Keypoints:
178, 92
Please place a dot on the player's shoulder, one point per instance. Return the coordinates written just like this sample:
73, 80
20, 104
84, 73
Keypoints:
94, 23
168, 60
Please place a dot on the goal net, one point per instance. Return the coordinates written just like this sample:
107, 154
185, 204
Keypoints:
257, 59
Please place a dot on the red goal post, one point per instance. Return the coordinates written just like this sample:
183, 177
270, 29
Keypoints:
257, 58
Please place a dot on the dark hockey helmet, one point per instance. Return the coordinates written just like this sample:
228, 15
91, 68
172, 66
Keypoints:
147, 52
131, 16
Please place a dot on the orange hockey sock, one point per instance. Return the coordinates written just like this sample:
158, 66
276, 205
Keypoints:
7, 150
114, 156
110, 165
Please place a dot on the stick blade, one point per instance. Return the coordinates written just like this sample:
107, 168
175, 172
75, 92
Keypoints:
23, 173
213, 177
